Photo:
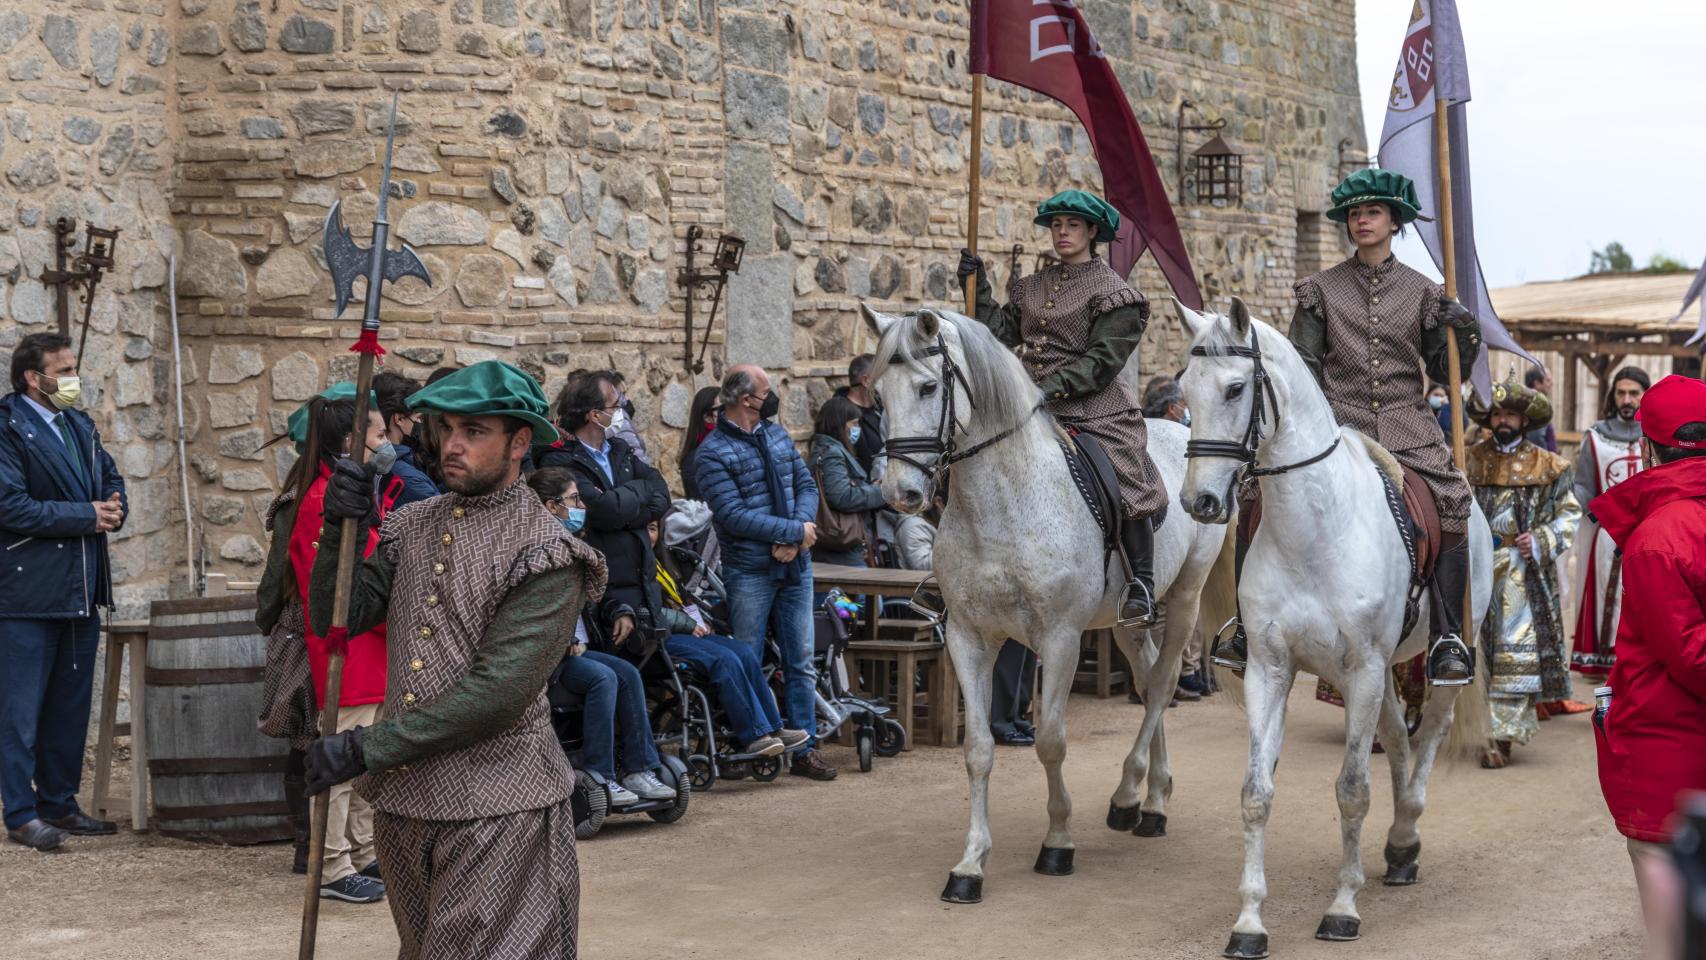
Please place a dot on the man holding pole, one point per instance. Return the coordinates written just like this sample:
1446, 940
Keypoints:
1366, 327
480, 589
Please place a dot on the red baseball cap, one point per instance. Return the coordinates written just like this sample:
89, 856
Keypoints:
1672, 402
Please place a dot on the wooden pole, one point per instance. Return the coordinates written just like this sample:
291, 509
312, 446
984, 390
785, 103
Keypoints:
1442, 143
976, 185
335, 665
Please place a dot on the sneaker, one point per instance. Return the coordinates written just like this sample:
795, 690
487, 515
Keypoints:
765, 746
647, 785
791, 738
1193, 682
809, 764
621, 796
354, 888
371, 871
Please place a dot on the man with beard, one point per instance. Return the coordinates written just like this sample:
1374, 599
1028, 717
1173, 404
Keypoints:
1530, 503
480, 589
1610, 454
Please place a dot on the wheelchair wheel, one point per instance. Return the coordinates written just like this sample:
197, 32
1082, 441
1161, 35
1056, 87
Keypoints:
590, 803
766, 769
867, 741
891, 738
702, 773
677, 775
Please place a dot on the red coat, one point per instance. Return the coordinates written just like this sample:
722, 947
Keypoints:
1652, 746
364, 664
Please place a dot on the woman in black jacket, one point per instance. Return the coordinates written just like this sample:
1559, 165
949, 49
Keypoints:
842, 481
701, 420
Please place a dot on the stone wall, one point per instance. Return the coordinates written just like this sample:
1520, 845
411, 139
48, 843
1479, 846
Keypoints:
553, 154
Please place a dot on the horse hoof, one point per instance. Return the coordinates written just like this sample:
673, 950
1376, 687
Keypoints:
1152, 825
1055, 861
963, 889
1122, 818
1339, 929
1401, 866
1247, 946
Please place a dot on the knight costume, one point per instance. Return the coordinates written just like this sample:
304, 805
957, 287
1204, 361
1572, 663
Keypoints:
1523, 489
1610, 454
470, 787
1075, 326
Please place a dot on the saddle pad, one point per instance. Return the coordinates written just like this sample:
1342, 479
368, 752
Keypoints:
1093, 475
1424, 515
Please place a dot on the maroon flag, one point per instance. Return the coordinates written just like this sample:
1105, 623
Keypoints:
1047, 46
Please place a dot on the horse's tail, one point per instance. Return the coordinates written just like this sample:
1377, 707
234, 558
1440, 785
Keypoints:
1219, 604
1471, 723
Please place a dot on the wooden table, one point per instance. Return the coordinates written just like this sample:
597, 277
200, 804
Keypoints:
122, 636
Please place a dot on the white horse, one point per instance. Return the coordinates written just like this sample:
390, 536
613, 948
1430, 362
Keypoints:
1018, 555
1324, 587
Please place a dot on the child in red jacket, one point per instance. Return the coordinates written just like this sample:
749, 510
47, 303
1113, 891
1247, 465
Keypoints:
1652, 739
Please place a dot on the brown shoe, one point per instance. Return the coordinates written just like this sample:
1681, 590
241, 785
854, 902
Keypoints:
809, 764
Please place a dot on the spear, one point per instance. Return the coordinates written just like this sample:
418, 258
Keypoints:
377, 263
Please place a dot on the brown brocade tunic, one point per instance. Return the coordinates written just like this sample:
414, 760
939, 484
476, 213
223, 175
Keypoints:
1075, 326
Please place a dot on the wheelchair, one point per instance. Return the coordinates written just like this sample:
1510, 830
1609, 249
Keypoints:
875, 732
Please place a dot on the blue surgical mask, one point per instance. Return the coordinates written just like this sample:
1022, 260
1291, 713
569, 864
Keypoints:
575, 520
853, 434
1185, 419
1436, 402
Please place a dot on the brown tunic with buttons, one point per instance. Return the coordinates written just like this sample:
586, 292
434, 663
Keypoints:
1075, 326
1366, 332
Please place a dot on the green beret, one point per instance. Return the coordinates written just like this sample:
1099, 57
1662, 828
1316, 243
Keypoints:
1085, 206
1375, 185
490, 388
297, 424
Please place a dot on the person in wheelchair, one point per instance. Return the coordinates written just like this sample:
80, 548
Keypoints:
732, 666
610, 687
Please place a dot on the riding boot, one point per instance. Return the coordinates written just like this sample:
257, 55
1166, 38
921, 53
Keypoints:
1450, 661
1137, 538
297, 803
1233, 652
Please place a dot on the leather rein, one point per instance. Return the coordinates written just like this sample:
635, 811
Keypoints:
942, 447
1244, 451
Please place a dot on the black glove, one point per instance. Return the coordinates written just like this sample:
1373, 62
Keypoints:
1454, 314
349, 493
335, 759
969, 264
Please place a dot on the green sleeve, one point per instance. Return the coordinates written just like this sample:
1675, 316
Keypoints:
1437, 354
1308, 334
1113, 336
370, 592
521, 646
273, 593
675, 621
1003, 321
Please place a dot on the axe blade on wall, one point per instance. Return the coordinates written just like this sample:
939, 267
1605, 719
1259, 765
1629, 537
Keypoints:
347, 259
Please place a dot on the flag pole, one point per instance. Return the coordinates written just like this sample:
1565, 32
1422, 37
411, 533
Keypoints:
1442, 144
976, 185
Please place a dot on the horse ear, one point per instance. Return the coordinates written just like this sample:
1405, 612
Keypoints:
1240, 316
1192, 320
929, 324
878, 322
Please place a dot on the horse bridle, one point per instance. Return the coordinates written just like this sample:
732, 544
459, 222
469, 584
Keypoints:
942, 448
1244, 451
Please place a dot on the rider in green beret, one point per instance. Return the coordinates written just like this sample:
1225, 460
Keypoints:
1077, 322
1367, 328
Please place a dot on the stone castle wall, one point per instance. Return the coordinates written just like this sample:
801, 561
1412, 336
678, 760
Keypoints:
553, 154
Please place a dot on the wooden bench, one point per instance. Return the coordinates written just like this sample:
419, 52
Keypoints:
1098, 670
883, 664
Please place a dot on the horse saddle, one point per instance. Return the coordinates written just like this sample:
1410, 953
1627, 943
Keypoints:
1093, 474
1407, 496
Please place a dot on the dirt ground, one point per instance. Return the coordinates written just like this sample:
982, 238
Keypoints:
1520, 863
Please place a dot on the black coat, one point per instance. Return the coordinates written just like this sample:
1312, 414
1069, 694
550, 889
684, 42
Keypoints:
617, 511
873, 431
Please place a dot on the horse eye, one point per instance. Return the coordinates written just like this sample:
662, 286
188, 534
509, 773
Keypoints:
928, 389
1235, 391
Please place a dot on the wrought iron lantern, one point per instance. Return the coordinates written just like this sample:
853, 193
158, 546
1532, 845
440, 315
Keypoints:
1216, 168
724, 261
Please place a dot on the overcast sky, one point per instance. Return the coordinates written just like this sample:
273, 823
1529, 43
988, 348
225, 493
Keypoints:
1588, 125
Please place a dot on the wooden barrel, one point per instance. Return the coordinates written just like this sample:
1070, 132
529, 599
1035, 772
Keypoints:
214, 776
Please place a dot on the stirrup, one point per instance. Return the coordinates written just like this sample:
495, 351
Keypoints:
1228, 631
926, 602
1136, 623
1463, 650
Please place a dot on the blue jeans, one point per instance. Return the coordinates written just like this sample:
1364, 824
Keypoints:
47, 675
615, 706
734, 670
756, 604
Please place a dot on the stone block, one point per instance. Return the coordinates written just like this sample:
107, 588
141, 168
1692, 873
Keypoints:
230, 363
760, 312
418, 32
295, 377
134, 385
329, 158
211, 267
35, 169
243, 444
248, 29
755, 106
14, 26
201, 40
759, 42
468, 356
222, 511
651, 290
425, 356
103, 54
482, 280
873, 112
437, 222
260, 128
206, 466
306, 35
748, 193
562, 278
232, 409
59, 35
244, 549
286, 273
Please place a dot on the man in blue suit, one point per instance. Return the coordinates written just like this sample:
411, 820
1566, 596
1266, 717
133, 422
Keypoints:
60, 495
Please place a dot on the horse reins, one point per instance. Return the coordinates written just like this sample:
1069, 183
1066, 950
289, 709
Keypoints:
942, 446
1244, 451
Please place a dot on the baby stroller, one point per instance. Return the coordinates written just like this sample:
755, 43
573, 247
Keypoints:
591, 801
875, 731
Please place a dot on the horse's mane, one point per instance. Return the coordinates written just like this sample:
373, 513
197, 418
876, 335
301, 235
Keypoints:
1002, 393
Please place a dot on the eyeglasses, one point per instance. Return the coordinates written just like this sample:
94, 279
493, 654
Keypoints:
566, 502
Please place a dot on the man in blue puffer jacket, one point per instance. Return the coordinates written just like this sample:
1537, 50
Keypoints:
764, 504
60, 495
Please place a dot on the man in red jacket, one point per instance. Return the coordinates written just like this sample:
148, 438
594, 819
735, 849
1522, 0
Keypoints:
1652, 740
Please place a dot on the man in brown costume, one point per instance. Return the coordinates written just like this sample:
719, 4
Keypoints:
1366, 328
480, 589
